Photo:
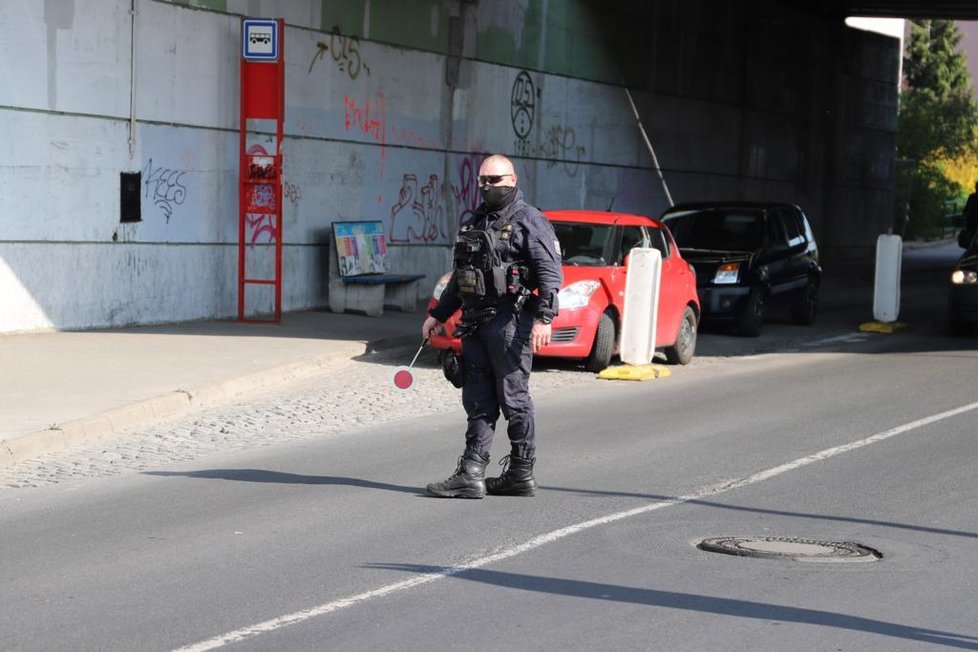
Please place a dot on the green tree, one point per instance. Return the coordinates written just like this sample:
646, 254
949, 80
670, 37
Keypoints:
937, 120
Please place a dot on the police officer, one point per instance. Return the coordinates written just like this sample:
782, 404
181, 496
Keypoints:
506, 276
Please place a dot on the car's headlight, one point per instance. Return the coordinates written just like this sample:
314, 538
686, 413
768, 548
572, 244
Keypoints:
440, 286
727, 273
577, 294
964, 277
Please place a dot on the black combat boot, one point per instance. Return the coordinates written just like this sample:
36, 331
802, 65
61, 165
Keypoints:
516, 480
468, 481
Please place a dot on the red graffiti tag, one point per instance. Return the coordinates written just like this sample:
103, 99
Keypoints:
370, 119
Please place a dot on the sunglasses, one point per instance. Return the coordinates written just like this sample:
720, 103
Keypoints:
491, 179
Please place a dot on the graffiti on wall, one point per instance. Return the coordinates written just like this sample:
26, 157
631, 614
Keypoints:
260, 200
292, 193
411, 138
164, 187
431, 212
261, 226
419, 211
345, 52
559, 144
260, 197
465, 192
369, 118
523, 105
260, 212
262, 168
558, 147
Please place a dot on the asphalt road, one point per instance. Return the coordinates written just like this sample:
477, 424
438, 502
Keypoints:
329, 543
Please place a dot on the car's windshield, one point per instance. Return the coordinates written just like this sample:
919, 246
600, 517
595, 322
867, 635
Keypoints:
719, 229
586, 245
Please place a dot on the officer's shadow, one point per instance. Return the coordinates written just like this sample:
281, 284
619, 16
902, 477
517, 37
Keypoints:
277, 477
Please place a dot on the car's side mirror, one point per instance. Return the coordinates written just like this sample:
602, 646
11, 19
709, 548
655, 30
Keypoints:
965, 237
626, 259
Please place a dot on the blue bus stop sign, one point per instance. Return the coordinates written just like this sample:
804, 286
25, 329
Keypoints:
259, 40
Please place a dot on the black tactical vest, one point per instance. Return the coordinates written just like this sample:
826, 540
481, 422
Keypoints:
480, 272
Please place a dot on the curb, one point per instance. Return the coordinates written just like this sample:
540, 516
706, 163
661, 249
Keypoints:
393, 342
178, 402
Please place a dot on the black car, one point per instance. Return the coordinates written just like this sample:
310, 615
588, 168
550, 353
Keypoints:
963, 286
748, 255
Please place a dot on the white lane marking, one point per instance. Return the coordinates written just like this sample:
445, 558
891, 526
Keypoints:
850, 338
543, 539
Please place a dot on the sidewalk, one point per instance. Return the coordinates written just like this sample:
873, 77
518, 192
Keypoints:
61, 387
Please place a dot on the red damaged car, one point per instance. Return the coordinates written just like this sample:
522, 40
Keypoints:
594, 245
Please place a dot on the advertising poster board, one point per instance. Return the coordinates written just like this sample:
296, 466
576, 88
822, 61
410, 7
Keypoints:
360, 248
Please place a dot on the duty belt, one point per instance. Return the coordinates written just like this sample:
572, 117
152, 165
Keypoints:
472, 319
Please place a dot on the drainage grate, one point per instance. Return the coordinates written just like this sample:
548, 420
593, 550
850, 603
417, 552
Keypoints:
791, 548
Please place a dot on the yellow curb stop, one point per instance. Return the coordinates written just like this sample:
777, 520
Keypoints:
882, 327
634, 372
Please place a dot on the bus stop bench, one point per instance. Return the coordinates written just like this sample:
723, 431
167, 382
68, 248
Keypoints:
369, 293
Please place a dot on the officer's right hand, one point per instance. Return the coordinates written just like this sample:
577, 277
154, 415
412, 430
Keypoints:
539, 335
428, 327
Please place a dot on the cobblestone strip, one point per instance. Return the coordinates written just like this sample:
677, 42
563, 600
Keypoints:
328, 404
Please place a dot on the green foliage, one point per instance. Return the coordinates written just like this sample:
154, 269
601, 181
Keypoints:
933, 198
937, 122
930, 126
963, 169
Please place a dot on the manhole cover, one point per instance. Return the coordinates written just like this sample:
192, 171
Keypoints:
790, 548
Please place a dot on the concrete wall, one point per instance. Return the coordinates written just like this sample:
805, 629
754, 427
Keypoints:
389, 108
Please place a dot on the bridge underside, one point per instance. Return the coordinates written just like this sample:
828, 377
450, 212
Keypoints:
950, 9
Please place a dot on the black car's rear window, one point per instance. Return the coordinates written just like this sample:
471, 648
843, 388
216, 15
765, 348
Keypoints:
719, 229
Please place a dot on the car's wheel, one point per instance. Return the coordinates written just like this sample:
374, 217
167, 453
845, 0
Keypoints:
604, 345
752, 318
805, 311
682, 351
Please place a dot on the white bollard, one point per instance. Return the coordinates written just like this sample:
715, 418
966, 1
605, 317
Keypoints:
886, 294
641, 306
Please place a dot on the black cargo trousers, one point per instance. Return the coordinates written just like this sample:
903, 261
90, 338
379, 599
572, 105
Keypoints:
497, 358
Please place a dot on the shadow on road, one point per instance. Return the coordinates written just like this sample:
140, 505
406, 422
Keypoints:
761, 510
693, 602
277, 477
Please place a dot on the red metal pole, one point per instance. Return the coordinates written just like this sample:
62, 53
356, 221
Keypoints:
280, 230
242, 129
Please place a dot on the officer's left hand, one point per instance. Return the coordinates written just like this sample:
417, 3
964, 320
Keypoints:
540, 335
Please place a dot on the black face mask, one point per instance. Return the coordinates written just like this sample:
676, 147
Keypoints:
496, 197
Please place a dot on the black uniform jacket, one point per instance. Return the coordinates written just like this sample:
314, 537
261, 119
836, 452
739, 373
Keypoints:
531, 242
